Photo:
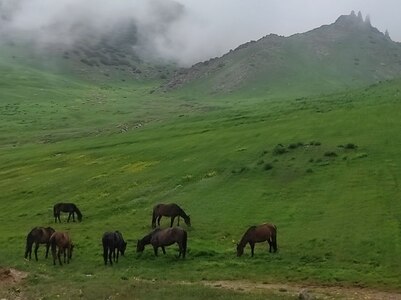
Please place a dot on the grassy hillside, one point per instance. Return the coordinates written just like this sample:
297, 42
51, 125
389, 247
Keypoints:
324, 170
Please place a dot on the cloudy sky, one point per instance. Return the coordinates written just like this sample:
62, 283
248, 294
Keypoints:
188, 31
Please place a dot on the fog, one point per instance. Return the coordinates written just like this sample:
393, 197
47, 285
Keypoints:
183, 31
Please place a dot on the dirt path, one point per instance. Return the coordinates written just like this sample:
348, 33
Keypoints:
305, 291
298, 291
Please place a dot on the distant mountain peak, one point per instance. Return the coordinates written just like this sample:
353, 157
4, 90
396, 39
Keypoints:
353, 20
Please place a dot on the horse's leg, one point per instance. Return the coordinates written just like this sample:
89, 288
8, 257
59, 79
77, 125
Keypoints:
252, 247
158, 220
73, 216
59, 256
105, 255
36, 251
69, 216
68, 255
178, 221
58, 217
172, 221
269, 242
155, 249
164, 250
64, 252
118, 251
110, 256
47, 249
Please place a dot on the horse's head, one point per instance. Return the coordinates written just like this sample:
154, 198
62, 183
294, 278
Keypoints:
140, 246
79, 218
240, 250
123, 247
188, 220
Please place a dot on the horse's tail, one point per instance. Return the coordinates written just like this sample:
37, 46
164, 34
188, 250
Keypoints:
105, 248
154, 217
53, 245
79, 214
184, 244
274, 238
29, 243
55, 212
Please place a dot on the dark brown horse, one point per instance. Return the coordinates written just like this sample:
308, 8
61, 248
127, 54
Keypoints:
70, 208
169, 210
165, 237
62, 242
112, 242
257, 234
38, 235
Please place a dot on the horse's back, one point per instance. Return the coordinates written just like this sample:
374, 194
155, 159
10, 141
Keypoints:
168, 236
167, 210
61, 239
261, 232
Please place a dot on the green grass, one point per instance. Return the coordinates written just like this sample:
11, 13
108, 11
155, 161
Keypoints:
117, 150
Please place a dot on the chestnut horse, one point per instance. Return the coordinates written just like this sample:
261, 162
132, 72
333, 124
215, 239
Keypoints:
70, 208
165, 237
38, 235
257, 234
169, 210
62, 241
112, 242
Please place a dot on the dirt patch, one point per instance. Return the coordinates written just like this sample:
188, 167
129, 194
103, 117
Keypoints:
9, 276
306, 291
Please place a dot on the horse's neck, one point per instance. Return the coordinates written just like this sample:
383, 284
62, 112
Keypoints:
244, 240
182, 214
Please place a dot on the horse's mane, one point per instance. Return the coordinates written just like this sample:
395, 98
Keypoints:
246, 234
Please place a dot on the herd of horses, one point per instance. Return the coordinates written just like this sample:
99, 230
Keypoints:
114, 243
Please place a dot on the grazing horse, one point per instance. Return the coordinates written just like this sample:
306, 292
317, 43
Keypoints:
71, 208
169, 210
165, 237
62, 241
256, 234
38, 235
113, 241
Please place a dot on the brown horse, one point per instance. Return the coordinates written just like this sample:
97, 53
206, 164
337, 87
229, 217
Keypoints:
70, 208
62, 241
169, 210
38, 235
257, 234
165, 237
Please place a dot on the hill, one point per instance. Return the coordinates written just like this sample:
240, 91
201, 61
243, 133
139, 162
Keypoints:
108, 56
346, 54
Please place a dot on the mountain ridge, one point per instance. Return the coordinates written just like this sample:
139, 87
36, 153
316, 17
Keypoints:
347, 53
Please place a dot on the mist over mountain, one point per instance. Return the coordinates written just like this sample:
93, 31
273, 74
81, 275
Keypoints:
141, 24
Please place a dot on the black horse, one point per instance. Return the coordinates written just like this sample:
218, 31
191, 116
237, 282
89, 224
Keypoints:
169, 210
164, 237
112, 242
70, 208
38, 235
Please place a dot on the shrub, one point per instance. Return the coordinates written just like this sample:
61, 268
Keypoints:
268, 167
350, 146
279, 149
330, 154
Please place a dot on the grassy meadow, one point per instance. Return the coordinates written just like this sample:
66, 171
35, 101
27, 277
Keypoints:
324, 169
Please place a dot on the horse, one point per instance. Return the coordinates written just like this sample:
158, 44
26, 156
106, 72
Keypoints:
71, 208
62, 241
164, 237
169, 210
113, 241
38, 235
256, 234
